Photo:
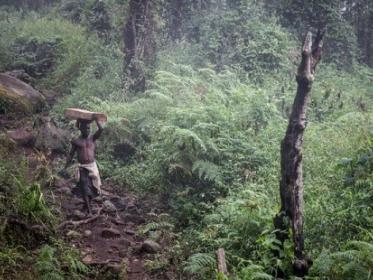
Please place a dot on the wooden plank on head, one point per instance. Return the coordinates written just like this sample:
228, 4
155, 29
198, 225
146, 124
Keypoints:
75, 114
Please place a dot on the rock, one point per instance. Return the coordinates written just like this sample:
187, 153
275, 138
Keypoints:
73, 234
124, 242
98, 199
65, 190
110, 233
150, 246
79, 214
21, 137
87, 233
50, 137
118, 202
135, 266
136, 219
87, 259
109, 206
21, 75
132, 209
130, 232
114, 268
17, 96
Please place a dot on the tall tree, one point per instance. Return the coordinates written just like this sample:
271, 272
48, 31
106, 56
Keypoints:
139, 41
291, 184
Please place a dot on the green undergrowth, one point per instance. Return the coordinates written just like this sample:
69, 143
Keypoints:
208, 143
48, 47
29, 247
204, 139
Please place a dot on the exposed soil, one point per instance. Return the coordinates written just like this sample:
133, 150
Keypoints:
109, 236
108, 239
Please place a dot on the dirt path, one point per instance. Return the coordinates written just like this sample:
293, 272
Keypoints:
108, 238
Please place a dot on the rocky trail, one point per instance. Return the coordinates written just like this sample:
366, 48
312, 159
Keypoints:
110, 240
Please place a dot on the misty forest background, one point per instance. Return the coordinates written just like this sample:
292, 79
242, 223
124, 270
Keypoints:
198, 95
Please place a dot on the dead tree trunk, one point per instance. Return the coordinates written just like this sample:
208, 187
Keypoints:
222, 265
291, 184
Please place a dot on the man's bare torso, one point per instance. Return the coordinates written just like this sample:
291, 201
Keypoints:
85, 148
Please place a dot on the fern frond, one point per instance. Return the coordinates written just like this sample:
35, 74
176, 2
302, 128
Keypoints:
157, 226
199, 262
207, 170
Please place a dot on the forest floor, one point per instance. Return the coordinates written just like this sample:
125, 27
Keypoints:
110, 240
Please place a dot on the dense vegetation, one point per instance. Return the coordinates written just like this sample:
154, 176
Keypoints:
198, 104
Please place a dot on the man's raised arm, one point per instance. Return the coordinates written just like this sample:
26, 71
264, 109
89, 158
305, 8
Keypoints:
99, 130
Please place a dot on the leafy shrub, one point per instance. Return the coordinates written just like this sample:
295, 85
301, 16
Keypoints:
75, 50
355, 261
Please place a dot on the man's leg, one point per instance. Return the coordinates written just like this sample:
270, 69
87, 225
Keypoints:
85, 187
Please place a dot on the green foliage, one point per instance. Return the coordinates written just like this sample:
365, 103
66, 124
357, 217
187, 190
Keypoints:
59, 263
298, 16
31, 203
354, 262
74, 51
240, 36
47, 265
206, 132
10, 260
200, 264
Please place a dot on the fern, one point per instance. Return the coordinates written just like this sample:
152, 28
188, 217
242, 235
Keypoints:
157, 226
47, 265
207, 171
355, 262
199, 263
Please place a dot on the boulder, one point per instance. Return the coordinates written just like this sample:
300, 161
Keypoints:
50, 137
17, 96
150, 246
21, 136
21, 74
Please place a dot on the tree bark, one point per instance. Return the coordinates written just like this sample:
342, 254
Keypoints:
139, 41
222, 265
291, 184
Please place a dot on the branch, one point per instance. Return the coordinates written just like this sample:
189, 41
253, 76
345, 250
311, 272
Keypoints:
317, 48
81, 222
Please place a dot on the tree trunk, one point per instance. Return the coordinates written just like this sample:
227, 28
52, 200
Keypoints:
222, 265
139, 42
291, 184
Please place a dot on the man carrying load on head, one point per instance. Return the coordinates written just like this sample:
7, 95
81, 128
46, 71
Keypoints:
89, 182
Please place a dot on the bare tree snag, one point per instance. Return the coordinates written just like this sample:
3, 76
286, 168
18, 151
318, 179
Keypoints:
222, 265
291, 184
